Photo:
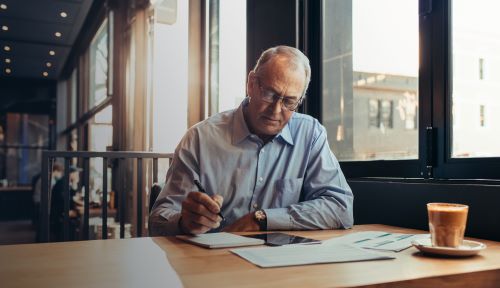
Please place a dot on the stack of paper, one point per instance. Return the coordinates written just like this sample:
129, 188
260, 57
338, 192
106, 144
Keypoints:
377, 240
291, 255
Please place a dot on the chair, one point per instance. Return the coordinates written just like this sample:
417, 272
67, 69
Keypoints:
155, 191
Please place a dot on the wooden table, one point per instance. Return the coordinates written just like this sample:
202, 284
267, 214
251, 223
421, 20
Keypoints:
144, 262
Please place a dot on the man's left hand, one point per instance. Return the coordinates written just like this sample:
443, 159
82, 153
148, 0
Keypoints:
245, 223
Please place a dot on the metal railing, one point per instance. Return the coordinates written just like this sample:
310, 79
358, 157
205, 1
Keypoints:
49, 156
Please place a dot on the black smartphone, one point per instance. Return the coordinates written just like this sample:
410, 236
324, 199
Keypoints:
279, 239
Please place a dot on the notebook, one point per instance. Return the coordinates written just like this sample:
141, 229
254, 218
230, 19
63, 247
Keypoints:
220, 240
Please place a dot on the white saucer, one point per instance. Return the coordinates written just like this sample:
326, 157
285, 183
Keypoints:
468, 248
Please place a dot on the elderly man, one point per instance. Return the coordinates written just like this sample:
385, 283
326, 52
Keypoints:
263, 165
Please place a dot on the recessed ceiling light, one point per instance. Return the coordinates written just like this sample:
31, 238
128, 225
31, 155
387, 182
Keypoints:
5, 28
45, 74
52, 53
58, 34
63, 14
7, 70
3, 6
48, 64
7, 60
6, 48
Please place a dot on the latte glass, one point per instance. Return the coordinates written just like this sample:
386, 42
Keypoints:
447, 223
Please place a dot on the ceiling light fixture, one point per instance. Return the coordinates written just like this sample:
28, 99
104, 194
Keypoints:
6, 48
7, 70
3, 6
48, 64
45, 74
58, 34
63, 14
52, 53
5, 28
7, 60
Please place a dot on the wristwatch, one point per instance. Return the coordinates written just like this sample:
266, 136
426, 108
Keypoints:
261, 219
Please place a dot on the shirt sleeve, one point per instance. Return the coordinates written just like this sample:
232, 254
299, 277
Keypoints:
166, 212
327, 199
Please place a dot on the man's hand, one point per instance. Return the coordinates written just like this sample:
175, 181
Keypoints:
199, 213
245, 223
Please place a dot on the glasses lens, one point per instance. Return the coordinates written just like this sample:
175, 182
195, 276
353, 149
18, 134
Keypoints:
267, 96
290, 104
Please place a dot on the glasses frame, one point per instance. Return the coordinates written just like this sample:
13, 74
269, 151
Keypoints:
276, 97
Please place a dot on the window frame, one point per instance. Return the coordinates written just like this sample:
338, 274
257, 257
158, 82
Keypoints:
434, 115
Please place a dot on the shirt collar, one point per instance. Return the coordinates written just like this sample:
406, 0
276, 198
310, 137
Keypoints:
241, 132
240, 128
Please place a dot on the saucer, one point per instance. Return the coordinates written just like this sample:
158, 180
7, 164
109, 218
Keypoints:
468, 248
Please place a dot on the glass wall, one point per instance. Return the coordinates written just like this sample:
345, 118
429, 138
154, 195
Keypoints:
370, 78
25, 136
232, 53
98, 67
170, 68
476, 73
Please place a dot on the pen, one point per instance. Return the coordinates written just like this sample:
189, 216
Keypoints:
198, 184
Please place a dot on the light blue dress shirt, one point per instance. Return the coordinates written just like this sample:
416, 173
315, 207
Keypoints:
294, 178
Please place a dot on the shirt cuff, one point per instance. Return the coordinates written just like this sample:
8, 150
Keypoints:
278, 219
162, 226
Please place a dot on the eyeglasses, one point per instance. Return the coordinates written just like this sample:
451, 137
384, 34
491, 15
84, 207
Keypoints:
269, 96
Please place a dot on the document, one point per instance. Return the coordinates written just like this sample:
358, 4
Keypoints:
292, 255
377, 240
220, 240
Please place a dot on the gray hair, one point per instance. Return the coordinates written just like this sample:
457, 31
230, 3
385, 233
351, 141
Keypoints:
295, 58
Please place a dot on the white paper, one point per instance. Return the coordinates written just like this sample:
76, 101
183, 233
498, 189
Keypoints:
291, 255
221, 240
377, 240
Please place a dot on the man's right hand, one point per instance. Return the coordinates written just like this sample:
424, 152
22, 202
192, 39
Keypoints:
199, 213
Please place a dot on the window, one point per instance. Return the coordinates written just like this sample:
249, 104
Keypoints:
98, 67
481, 115
170, 69
373, 113
474, 36
226, 54
368, 59
100, 138
24, 138
231, 53
407, 82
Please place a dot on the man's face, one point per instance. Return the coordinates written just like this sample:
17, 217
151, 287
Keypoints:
268, 119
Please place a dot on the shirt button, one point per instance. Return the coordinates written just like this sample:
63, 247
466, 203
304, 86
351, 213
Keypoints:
260, 179
255, 205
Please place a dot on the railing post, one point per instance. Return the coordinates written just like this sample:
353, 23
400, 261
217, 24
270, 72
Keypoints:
155, 170
104, 204
66, 199
123, 194
45, 200
139, 197
86, 199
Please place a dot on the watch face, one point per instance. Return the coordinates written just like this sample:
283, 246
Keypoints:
260, 215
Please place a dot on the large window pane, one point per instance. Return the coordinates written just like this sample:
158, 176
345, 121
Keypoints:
232, 53
476, 74
170, 68
370, 78
101, 137
23, 139
99, 66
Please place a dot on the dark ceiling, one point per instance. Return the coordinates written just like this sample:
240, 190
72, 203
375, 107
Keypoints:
36, 36
28, 71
